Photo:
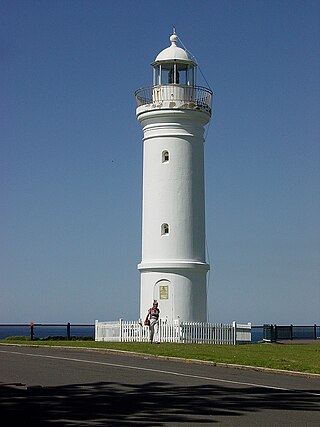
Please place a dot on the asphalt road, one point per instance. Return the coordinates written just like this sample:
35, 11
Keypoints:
54, 386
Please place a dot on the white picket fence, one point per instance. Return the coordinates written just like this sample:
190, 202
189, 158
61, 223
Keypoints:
176, 331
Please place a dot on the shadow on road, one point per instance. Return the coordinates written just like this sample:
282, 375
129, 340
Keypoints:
150, 404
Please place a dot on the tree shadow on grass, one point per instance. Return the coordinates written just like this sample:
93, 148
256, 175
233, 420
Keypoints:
149, 404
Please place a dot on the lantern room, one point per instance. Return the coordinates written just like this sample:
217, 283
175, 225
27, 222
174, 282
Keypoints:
173, 65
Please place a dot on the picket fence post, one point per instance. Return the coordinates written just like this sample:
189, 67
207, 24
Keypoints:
234, 327
120, 329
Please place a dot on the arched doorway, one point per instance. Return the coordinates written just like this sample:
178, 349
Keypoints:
163, 293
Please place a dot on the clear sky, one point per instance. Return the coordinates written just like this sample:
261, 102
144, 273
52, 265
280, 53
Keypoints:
71, 155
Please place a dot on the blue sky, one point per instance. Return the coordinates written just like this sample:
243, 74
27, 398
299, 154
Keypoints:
71, 155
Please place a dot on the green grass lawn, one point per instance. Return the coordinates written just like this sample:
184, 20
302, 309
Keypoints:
297, 357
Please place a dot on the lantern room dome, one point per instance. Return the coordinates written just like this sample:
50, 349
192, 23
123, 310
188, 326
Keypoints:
174, 53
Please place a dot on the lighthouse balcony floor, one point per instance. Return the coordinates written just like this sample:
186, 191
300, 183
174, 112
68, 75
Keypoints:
173, 96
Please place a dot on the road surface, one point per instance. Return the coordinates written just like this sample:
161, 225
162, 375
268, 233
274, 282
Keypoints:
63, 387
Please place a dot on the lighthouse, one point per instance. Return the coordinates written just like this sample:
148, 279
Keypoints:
173, 113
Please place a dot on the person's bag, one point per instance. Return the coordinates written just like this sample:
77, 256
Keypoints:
147, 322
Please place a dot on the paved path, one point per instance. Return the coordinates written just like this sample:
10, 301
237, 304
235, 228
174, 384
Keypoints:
54, 386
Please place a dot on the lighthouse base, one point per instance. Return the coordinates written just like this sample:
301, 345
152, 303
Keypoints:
180, 291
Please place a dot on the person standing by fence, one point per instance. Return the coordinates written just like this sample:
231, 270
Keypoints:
152, 320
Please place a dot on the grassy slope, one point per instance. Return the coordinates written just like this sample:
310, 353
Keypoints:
298, 357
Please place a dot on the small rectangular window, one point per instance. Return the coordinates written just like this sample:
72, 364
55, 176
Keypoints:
164, 229
165, 156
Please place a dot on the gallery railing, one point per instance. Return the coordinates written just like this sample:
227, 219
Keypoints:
191, 97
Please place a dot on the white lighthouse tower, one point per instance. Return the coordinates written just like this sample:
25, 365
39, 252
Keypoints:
173, 113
